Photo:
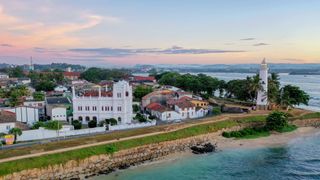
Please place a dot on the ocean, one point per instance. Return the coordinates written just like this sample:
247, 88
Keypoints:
299, 159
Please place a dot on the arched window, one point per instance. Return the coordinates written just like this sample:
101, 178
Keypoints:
80, 118
119, 119
127, 93
87, 118
94, 118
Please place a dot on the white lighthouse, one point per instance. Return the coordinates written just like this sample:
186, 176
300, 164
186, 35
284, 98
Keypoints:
262, 98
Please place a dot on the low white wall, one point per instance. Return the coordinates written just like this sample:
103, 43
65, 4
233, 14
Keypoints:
131, 126
42, 133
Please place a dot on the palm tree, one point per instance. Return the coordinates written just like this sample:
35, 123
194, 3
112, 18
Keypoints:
273, 87
16, 132
254, 85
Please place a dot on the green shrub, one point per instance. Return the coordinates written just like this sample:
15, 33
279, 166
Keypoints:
92, 124
277, 120
111, 121
216, 110
37, 125
53, 125
76, 124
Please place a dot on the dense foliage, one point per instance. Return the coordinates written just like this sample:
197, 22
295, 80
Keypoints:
95, 75
16, 132
247, 133
140, 117
16, 72
38, 96
76, 124
51, 125
14, 94
277, 120
92, 124
199, 84
46, 81
291, 96
141, 91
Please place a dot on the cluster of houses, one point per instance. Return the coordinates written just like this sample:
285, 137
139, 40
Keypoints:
169, 104
84, 101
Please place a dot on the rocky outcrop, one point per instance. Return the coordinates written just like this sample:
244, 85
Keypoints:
203, 148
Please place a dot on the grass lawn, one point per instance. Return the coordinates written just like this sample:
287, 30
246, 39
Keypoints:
51, 159
307, 116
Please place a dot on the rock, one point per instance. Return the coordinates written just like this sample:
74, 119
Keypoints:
203, 148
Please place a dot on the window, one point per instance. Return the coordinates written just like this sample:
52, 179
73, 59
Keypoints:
8, 127
127, 93
119, 95
94, 108
87, 118
87, 108
79, 108
94, 118
102, 108
80, 118
111, 108
119, 108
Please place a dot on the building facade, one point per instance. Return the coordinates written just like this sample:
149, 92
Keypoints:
100, 105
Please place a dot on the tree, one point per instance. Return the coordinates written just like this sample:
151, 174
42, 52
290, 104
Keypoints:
38, 96
38, 124
95, 75
277, 120
135, 108
53, 125
16, 132
141, 91
140, 118
45, 86
273, 87
92, 123
16, 72
291, 96
76, 124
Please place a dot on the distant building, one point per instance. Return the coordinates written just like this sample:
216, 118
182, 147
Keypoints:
27, 115
262, 98
71, 75
100, 105
8, 121
4, 76
60, 88
142, 79
40, 105
57, 107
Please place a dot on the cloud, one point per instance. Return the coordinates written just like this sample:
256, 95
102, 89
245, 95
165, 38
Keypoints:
247, 39
261, 44
6, 45
120, 52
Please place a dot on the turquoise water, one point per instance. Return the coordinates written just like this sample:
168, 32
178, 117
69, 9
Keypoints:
299, 159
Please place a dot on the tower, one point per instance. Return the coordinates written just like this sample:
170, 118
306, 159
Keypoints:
31, 66
262, 98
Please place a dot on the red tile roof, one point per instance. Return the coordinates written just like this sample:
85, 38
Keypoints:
72, 74
184, 104
157, 107
144, 78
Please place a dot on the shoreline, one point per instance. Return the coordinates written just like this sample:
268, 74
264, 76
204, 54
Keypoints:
224, 144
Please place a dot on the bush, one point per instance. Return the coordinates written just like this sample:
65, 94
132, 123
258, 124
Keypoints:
277, 120
76, 124
53, 125
37, 125
216, 110
152, 117
135, 108
92, 124
111, 121
140, 118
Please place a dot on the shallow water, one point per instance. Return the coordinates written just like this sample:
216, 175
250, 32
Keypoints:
299, 159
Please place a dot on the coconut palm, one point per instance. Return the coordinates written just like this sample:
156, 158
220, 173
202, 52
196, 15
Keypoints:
16, 132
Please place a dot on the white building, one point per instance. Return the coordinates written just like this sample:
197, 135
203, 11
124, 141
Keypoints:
56, 108
60, 88
100, 105
26, 115
4, 76
262, 98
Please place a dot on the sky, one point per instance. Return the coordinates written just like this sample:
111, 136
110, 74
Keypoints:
128, 32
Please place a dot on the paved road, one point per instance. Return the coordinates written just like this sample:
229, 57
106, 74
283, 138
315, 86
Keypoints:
169, 129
